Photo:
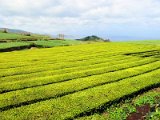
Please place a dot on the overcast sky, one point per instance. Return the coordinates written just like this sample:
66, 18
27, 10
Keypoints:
106, 18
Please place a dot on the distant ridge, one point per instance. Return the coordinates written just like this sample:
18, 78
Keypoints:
14, 30
94, 38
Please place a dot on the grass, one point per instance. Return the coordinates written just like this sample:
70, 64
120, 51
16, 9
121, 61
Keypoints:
5, 36
13, 44
83, 81
55, 43
15, 41
16, 36
121, 110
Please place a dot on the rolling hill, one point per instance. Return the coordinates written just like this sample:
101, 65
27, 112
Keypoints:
14, 30
93, 38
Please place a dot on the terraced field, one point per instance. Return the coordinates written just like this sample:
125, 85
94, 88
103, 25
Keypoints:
13, 46
74, 81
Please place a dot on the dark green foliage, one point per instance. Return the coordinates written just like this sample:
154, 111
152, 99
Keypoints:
5, 31
92, 38
27, 34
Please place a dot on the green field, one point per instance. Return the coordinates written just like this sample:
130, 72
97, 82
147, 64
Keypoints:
55, 43
75, 82
14, 37
12, 46
4, 36
13, 41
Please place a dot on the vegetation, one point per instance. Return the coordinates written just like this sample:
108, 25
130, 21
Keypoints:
5, 31
14, 37
55, 43
13, 30
127, 107
148, 42
93, 38
13, 44
9, 36
84, 81
25, 40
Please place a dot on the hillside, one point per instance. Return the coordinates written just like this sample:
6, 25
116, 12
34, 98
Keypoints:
14, 41
7, 37
94, 39
19, 35
76, 82
13, 30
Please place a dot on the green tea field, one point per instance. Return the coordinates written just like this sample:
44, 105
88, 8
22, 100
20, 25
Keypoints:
77, 82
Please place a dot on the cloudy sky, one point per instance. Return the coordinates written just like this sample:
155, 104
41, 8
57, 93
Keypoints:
117, 19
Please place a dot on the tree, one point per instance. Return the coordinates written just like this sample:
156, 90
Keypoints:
5, 30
